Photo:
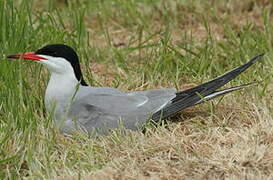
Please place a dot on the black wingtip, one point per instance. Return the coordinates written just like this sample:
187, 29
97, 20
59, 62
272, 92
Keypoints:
257, 58
191, 96
260, 55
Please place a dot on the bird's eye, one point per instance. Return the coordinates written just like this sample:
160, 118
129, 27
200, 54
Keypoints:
54, 53
51, 53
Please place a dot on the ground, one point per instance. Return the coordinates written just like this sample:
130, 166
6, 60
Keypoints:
139, 45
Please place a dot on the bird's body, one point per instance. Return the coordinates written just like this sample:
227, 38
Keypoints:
97, 109
79, 107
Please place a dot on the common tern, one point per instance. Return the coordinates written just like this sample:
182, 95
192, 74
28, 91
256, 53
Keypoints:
79, 107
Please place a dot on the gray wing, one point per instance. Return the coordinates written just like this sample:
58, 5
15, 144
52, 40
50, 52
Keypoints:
101, 112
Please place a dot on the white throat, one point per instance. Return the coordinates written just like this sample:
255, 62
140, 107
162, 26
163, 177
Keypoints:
62, 84
60, 90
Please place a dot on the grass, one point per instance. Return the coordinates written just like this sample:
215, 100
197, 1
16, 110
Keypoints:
137, 45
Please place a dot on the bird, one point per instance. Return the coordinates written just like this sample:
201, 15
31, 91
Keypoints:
78, 107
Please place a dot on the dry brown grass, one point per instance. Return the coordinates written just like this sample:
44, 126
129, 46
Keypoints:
232, 143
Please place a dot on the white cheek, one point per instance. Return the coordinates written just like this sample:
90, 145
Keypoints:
57, 65
52, 67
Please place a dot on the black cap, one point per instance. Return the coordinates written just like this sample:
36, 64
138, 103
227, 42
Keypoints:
66, 52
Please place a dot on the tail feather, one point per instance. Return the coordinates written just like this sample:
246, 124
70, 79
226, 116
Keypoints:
223, 92
203, 92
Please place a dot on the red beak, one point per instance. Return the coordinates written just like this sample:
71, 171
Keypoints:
27, 56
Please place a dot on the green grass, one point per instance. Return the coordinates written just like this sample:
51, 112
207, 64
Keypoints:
136, 45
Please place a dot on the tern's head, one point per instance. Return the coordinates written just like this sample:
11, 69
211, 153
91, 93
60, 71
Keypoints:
58, 58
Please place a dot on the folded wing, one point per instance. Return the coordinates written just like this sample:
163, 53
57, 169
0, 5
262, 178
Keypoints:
194, 95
